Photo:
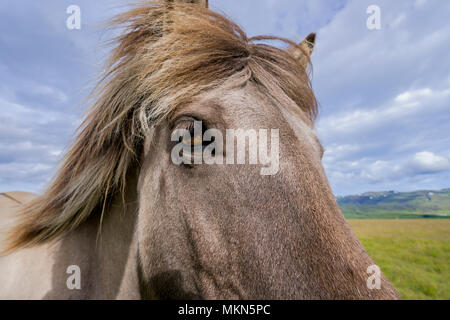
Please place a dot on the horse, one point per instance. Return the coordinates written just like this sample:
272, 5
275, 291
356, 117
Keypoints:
121, 220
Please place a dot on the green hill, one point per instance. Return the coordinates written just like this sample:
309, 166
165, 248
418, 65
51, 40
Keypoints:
397, 205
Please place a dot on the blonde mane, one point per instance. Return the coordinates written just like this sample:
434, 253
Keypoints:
168, 54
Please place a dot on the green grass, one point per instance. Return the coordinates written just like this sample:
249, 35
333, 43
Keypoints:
413, 254
393, 205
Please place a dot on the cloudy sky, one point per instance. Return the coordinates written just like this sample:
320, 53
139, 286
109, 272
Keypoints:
384, 94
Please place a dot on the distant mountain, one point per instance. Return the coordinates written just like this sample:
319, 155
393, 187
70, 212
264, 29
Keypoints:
397, 205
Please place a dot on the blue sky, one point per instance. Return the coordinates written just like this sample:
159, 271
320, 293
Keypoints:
384, 94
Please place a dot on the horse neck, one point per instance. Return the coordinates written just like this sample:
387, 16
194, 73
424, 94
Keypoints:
107, 260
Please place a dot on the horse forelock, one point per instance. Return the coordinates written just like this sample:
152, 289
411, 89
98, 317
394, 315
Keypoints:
167, 55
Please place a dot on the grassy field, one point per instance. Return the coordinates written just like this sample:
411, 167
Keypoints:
397, 205
413, 254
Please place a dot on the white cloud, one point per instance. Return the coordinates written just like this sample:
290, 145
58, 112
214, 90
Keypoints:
409, 104
50, 92
411, 96
291, 19
355, 141
398, 21
420, 3
29, 147
384, 96
381, 170
428, 162
415, 167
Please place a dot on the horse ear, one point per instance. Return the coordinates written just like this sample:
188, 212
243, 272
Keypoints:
203, 3
304, 50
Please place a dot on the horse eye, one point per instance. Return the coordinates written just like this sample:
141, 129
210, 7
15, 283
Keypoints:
195, 136
197, 140
193, 141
